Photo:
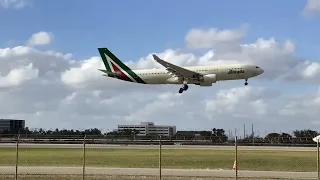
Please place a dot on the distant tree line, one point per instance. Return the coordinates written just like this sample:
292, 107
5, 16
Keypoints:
214, 136
304, 136
56, 132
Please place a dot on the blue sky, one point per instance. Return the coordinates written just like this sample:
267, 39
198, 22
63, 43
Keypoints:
135, 29
132, 30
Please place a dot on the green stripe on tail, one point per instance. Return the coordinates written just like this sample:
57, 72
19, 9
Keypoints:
106, 54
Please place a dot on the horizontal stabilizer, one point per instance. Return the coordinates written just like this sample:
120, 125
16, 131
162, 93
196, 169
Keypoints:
110, 74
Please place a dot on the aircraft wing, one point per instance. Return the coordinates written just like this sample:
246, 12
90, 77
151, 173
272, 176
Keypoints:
176, 70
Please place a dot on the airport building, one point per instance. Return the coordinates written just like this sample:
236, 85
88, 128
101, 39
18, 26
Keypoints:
11, 124
149, 128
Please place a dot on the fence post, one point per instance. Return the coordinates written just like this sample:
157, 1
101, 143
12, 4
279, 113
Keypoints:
236, 156
252, 135
160, 175
17, 156
84, 157
318, 159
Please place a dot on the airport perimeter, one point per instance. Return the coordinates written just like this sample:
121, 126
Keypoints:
20, 160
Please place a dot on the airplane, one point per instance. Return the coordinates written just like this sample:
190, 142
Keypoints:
173, 74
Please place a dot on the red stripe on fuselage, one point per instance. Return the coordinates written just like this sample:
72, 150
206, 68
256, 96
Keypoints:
122, 75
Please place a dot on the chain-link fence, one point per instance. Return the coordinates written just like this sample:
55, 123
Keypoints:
91, 157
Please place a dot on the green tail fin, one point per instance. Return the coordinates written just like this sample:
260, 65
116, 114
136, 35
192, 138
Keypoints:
113, 64
111, 61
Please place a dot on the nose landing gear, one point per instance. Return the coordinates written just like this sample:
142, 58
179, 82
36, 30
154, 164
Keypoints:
246, 83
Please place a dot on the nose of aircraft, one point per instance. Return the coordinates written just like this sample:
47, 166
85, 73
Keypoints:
258, 71
261, 71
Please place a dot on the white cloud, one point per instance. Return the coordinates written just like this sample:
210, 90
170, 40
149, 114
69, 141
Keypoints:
17, 4
18, 75
311, 70
84, 72
277, 59
220, 40
50, 89
41, 38
237, 101
312, 7
163, 103
306, 108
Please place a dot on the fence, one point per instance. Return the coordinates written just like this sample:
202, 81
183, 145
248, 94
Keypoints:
168, 140
85, 158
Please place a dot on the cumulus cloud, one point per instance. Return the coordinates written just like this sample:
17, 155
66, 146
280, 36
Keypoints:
303, 107
18, 75
17, 4
83, 73
41, 38
232, 100
278, 59
50, 89
312, 7
219, 39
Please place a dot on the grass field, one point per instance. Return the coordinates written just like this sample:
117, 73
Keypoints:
102, 177
171, 158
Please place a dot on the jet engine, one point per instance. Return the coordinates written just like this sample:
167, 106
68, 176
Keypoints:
207, 80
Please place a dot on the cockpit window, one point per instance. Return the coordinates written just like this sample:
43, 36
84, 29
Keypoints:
257, 67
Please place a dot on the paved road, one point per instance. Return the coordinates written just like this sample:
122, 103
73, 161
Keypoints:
155, 172
13, 145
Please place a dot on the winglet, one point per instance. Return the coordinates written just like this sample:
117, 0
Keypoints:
155, 57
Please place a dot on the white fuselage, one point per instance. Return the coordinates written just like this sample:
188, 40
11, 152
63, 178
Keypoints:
222, 72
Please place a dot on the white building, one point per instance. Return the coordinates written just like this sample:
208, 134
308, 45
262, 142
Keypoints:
148, 128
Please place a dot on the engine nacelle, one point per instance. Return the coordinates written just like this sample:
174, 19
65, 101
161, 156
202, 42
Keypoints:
208, 80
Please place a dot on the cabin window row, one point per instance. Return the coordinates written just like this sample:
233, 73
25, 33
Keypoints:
195, 71
166, 72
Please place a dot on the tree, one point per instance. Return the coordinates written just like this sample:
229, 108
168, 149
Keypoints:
94, 131
285, 135
218, 136
272, 137
135, 132
205, 133
305, 136
285, 138
184, 135
306, 133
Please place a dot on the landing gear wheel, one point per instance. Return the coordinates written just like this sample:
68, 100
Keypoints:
180, 90
246, 83
185, 87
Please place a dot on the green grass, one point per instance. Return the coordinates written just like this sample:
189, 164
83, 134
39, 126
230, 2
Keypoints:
104, 177
171, 158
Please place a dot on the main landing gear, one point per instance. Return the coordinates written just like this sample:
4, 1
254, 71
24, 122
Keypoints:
246, 83
183, 88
